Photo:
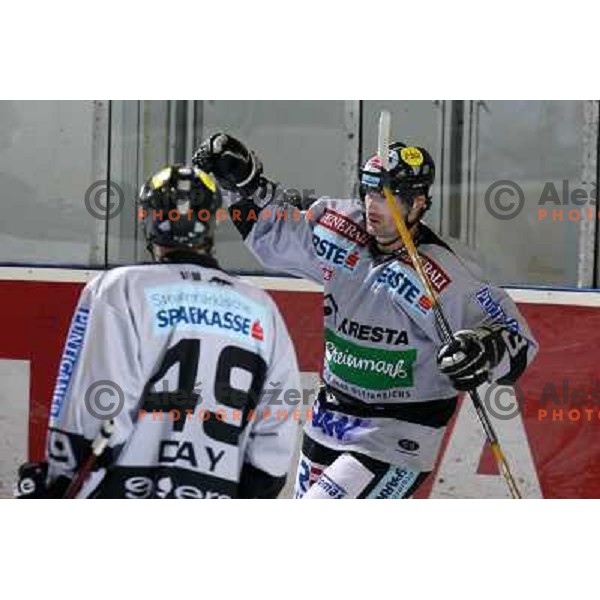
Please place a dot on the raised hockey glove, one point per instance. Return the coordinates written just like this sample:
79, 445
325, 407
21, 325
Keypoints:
469, 359
236, 168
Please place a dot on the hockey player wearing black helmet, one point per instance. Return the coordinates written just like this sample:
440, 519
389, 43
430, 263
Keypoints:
389, 390
410, 175
177, 209
174, 355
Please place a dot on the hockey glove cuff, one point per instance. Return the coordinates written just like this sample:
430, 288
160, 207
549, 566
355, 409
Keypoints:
470, 357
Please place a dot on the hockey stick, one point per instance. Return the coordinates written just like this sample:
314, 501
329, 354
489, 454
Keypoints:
98, 446
443, 327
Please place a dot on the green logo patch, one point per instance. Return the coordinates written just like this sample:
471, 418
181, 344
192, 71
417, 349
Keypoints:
368, 367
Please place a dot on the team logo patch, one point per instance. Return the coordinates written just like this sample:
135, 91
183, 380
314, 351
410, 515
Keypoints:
408, 446
351, 260
69, 358
394, 484
370, 368
340, 427
412, 156
494, 310
308, 473
257, 331
331, 488
344, 227
208, 308
372, 333
139, 487
334, 251
406, 291
438, 278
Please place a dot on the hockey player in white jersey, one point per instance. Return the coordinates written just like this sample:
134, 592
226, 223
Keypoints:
175, 355
389, 389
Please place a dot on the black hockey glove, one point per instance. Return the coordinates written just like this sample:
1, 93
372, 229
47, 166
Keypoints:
236, 168
469, 359
32, 481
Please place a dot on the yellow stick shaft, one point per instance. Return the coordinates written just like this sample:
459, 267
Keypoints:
416, 260
408, 243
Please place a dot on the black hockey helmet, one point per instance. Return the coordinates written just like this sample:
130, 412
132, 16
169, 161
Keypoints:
410, 172
178, 205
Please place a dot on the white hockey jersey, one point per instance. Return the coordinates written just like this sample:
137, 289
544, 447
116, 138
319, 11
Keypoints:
386, 397
178, 354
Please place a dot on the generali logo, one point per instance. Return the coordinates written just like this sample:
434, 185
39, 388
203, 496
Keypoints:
345, 227
439, 279
257, 331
